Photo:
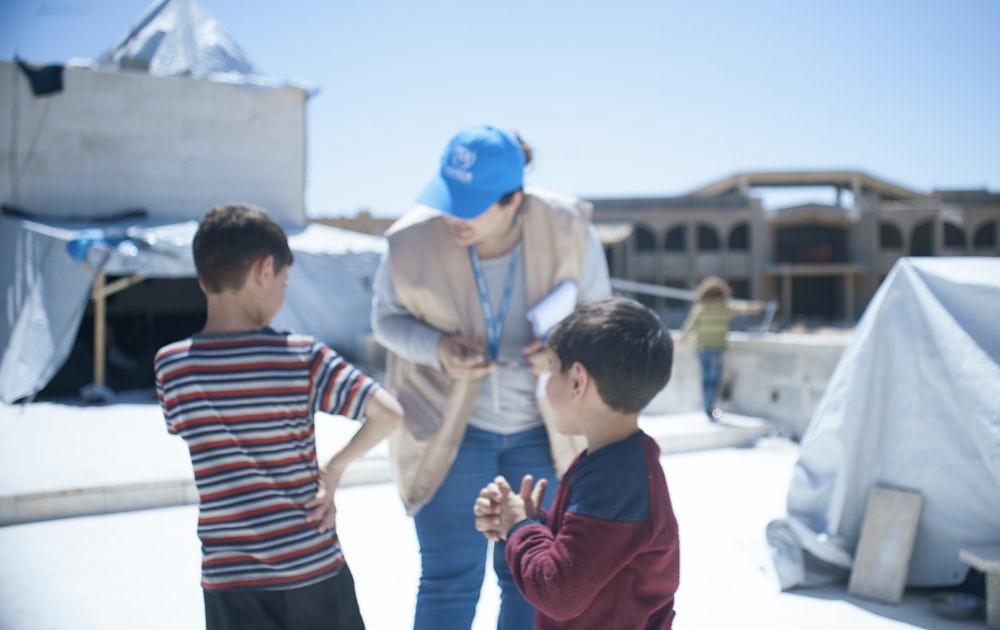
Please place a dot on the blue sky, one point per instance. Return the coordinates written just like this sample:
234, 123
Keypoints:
630, 98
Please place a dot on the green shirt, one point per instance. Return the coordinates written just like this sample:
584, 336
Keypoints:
709, 321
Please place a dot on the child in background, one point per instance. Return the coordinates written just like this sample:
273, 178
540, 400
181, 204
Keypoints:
243, 397
606, 555
709, 321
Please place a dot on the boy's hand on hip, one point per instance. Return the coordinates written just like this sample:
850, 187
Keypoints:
323, 510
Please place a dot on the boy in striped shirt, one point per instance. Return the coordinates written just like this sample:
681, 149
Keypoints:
243, 397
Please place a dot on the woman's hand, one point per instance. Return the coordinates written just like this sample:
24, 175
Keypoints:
537, 357
462, 359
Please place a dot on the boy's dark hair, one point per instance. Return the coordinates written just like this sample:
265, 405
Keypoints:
624, 347
230, 238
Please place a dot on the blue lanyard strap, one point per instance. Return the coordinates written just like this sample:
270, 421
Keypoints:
494, 325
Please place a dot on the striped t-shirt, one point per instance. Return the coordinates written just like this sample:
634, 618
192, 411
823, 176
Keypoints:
244, 403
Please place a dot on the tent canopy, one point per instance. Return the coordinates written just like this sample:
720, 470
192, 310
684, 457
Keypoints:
914, 404
181, 38
47, 271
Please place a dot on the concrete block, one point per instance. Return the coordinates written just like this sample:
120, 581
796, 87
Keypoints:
882, 559
986, 558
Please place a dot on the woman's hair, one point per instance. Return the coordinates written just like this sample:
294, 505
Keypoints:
527, 160
230, 238
712, 288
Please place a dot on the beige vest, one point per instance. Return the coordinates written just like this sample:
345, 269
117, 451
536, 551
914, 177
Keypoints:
433, 278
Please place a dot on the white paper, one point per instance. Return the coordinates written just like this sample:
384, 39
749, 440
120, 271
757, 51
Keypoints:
549, 311
540, 385
553, 308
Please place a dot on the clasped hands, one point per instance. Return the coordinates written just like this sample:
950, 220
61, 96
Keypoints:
463, 359
498, 508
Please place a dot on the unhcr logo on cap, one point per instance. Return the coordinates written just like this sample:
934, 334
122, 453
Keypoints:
462, 159
480, 165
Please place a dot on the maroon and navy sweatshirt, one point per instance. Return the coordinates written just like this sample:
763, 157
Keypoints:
606, 555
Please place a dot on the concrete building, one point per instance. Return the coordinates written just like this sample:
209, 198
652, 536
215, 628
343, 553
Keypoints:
102, 142
820, 262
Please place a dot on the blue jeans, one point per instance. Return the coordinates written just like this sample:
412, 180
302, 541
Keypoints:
711, 375
452, 553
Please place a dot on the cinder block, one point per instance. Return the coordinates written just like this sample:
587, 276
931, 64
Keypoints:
986, 558
882, 559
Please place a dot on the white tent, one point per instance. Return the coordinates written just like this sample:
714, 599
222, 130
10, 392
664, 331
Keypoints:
914, 403
47, 271
181, 38
162, 122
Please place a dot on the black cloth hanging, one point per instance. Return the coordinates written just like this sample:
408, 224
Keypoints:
43, 79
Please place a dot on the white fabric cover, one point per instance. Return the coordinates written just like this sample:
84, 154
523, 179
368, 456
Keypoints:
177, 37
45, 290
914, 403
181, 38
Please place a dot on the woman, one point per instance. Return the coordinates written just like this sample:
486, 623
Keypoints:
451, 297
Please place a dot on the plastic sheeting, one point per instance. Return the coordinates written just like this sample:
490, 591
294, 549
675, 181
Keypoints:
46, 274
181, 38
914, 403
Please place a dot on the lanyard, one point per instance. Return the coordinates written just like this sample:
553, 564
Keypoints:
494, 325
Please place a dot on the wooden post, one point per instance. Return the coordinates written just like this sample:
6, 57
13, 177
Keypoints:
100, 328
99, 294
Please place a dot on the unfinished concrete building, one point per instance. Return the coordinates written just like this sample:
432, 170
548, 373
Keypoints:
820, 261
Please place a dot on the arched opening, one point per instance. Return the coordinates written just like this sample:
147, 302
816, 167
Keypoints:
889, 236
985, 236
676, 240
708, 238
954, 237
739, 238
645, 241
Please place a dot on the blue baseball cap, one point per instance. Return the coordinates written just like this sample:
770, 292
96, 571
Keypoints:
480, 165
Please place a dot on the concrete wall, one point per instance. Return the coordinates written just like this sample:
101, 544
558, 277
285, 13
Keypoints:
780, 377
174, 146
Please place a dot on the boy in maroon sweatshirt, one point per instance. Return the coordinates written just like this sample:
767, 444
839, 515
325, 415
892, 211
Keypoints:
606, 555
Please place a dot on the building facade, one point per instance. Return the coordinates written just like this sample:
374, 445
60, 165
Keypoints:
819, 262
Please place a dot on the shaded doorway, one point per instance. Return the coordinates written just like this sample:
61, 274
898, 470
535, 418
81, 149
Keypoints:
815, 295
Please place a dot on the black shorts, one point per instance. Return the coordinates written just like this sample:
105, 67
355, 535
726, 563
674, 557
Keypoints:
331, 603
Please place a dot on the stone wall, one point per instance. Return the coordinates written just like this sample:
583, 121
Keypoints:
776, 376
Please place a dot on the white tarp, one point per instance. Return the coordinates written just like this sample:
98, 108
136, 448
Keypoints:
914, 404
181, 38
45, 288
